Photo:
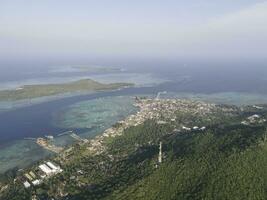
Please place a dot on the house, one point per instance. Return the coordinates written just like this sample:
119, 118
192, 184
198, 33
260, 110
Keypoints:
186, 128
26, 184
45, 169
36, 182
203, 128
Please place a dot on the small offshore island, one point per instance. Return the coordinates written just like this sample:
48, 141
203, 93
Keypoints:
170, 149
35, 91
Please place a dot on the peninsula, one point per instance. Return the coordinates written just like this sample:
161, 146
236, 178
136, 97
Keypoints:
42, 90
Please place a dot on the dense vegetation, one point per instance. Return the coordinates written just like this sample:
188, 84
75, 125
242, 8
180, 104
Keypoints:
226, 161
220, 163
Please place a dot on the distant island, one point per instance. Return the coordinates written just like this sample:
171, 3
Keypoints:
34, 91
97, 68
85, 68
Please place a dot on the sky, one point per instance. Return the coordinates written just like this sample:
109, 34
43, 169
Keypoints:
171, 29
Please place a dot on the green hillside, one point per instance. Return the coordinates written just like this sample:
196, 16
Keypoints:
228, 163
227, 160
220, 163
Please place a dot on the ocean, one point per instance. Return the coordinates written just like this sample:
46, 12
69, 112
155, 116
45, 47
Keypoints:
90, 114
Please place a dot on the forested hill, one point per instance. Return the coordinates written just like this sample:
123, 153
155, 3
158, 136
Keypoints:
226, 160
221, 163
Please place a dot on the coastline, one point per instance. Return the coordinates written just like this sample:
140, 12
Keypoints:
98, 138
114, 108
102, 146
96, 143
148, 109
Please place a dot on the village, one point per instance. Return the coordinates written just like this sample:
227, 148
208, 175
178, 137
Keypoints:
36, 176
162, 110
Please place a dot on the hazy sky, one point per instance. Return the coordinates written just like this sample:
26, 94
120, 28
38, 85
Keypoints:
140, 28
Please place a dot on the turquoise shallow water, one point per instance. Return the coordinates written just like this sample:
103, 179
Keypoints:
88, 118
91, 117
20, 154
53, 115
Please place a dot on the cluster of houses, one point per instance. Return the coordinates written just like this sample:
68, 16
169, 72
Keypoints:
253, 119
44, 170
195, 128
153, 109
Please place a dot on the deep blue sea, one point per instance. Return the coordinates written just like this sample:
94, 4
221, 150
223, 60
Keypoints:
209, 78
221, 83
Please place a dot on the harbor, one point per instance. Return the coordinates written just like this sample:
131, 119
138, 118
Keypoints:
47, 142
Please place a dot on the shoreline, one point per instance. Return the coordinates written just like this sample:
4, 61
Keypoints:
98, 139
96, 144
148, 109
163, 112
27, 146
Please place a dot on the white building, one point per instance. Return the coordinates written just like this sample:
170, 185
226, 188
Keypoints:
186, 128
36, 182
257, 107
253, 117
53, 167
45, 169
26, 184
203, 128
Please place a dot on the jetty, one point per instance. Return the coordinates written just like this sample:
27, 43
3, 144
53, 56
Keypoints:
46, 145
30, 138
77, 137
65, 133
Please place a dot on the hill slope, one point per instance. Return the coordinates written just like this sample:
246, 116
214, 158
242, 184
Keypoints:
226, 160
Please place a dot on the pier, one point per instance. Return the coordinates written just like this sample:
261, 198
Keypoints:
77, 137
65, 133
46, 145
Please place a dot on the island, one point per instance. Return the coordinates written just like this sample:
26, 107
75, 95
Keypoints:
85, 68
42, 90
97, 69
169, 149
